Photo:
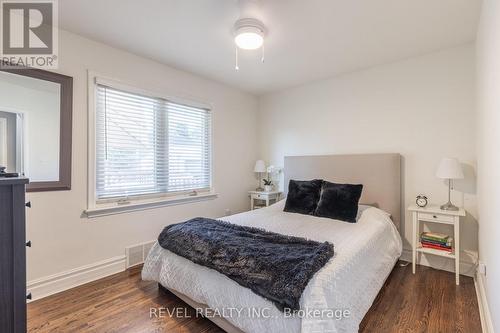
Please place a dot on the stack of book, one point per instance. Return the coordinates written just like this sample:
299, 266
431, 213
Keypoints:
437, 241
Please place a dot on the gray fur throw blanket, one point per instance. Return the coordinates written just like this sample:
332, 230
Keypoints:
274, 266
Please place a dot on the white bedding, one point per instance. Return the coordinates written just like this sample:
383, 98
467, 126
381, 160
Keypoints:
365, 253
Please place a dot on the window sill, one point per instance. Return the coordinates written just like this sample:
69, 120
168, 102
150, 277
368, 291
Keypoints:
143, 205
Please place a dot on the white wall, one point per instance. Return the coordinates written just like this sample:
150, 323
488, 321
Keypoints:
422, 108
39, 103
488, 140
62, 238
8, 148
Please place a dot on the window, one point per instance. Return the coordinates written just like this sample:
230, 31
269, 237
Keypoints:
147, 146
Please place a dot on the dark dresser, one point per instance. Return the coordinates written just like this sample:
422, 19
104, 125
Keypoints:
13, 255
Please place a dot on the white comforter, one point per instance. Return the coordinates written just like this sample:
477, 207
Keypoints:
365, 253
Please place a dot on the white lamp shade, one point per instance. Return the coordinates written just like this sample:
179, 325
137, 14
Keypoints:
260, 166
450, 168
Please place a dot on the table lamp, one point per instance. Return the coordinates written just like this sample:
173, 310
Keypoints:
450, 169
260, 167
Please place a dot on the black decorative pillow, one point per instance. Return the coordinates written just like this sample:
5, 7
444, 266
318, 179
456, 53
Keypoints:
339, 201
303, 196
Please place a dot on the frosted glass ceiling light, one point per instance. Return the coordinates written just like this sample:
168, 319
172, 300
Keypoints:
249, 35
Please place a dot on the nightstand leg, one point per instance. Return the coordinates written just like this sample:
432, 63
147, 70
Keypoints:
251, 203
457, 249
414, 243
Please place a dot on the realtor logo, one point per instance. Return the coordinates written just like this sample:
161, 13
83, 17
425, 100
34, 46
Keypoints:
29, 33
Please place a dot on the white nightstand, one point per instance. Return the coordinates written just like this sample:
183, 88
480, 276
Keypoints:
436, 215
266, 197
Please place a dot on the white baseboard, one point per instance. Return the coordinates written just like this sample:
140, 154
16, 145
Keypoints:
56, 283
484, 310
468, 262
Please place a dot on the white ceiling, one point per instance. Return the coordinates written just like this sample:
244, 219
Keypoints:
307, 39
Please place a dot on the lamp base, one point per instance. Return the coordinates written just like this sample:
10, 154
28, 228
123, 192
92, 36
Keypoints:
449, 206
260, 189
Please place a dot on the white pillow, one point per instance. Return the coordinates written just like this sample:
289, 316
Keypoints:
362, 208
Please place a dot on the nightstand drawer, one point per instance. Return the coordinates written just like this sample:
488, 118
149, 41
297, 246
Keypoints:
262, 199
436, 217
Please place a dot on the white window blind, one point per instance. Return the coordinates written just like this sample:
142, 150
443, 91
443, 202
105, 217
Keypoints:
147, 145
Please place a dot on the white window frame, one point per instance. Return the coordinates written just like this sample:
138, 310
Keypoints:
95, 207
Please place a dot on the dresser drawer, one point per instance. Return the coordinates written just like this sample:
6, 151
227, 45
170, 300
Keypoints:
260, 196
436, 217
12, 255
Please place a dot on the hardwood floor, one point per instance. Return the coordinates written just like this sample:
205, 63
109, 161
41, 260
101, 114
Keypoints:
426, 302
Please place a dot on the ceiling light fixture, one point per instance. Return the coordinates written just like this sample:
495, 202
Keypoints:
249, 32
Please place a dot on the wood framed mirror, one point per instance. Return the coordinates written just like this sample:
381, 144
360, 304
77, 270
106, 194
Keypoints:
36, 108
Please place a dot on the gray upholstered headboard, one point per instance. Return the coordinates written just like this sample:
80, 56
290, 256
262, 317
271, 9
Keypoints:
380, 175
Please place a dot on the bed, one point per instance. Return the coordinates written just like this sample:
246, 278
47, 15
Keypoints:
339, 294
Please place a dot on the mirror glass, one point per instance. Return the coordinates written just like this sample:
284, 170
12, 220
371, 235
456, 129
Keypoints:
30, 126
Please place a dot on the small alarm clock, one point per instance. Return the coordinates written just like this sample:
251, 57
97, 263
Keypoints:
421, 201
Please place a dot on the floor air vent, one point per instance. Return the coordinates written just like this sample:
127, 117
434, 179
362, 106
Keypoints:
136, 254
